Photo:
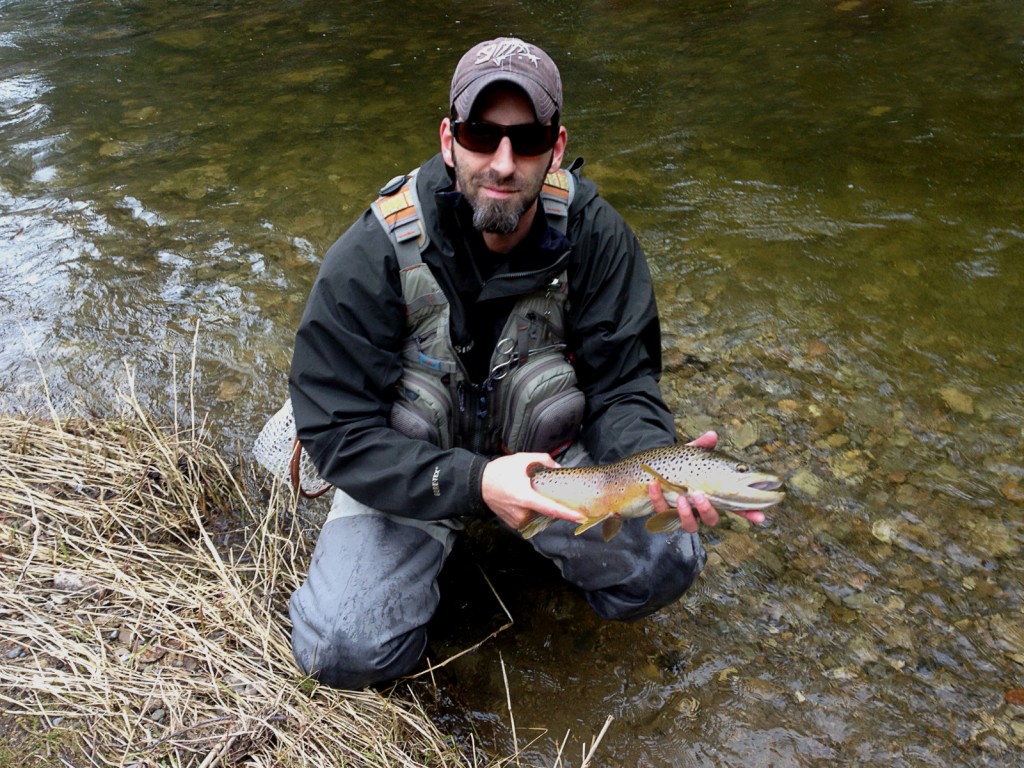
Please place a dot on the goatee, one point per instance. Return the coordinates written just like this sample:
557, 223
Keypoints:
497, 217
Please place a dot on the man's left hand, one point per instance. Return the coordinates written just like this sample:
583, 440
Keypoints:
690, 516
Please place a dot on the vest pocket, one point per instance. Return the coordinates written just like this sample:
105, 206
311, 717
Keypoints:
541, 406
555, 422
423, 410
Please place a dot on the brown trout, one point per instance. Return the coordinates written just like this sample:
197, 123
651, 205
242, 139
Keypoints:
609, 493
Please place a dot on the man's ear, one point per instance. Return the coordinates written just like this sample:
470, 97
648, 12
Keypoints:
560, 144
446, 142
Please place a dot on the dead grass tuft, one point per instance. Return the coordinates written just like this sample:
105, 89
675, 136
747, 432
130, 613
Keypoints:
141, 633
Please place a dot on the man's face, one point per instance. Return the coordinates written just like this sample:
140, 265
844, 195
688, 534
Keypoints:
501, 187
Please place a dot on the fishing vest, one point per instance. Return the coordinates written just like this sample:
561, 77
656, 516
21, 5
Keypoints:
529, 400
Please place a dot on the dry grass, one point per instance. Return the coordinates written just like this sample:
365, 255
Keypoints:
130, 636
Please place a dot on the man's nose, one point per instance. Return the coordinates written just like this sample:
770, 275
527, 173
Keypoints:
503, 161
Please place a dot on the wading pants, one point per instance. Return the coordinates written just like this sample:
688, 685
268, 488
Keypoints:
360, 617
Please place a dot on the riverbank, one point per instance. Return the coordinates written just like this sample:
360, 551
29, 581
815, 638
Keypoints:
142, 620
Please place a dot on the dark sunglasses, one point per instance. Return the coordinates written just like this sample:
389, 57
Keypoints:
528, 139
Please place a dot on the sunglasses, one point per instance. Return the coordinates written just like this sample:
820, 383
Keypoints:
528, 139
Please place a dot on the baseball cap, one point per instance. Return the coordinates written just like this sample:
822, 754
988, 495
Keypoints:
507, 59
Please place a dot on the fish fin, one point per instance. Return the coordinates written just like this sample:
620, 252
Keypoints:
611, 527
680, 489
663, 522
590, 524
534, 525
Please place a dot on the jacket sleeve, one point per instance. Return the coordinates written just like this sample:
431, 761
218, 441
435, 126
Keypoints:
615, 337
345, 368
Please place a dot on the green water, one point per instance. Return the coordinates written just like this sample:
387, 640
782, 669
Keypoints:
831, 196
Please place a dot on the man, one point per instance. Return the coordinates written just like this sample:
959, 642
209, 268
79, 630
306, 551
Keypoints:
431, 316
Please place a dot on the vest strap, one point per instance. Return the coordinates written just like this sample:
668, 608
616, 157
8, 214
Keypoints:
556, 196
398, 211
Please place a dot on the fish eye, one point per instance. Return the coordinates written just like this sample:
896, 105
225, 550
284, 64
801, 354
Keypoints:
742, 467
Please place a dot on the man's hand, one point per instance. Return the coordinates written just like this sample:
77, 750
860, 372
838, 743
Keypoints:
688, 515
507, 491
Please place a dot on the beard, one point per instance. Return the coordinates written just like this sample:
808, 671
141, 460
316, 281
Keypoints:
502, 216
499, 217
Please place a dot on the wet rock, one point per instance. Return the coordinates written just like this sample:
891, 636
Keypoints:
735, 548
957, 400
900, 636
1013, 492
949, 473
1015, 697
911, 536
993, 537
141, 115
744, 436
805, 607
695, 425
837, 440
842, 673
1009, 636
111, 149
860, 601
863, 649
230, 390
886, 531
816, 348
806, 482
687, 707
850, 465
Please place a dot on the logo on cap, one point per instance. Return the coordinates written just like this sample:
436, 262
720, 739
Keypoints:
501, 51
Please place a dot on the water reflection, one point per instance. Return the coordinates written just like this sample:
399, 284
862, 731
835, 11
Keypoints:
829, 196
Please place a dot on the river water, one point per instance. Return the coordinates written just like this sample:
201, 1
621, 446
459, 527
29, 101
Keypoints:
830, 193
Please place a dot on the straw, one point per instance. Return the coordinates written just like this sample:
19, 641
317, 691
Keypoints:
143, 613
144, 632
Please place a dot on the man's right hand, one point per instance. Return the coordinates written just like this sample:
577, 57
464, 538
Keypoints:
507, 490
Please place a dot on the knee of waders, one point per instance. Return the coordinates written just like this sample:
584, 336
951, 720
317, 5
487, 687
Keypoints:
352, 662
650, 589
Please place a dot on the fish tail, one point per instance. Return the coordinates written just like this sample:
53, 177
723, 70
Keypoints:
534, 524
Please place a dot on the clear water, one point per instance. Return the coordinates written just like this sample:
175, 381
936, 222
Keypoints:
830, 193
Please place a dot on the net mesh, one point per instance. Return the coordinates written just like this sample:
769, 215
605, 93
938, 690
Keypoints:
275, 448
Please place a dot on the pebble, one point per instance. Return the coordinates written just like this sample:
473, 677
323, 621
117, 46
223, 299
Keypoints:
806, 482
744, 436
73, 581
957, 401
789, 406
1013, 492
1016, 697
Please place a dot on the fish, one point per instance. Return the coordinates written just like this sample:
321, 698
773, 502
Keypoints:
607, 494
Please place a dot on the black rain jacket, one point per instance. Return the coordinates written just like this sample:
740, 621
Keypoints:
347, 360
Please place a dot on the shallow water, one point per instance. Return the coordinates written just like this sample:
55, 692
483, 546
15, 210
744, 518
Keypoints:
830, 195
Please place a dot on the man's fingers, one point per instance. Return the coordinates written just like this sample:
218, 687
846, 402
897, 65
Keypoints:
687, 518
657, 497
708, 440
704, 508
755, 516
691, 515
